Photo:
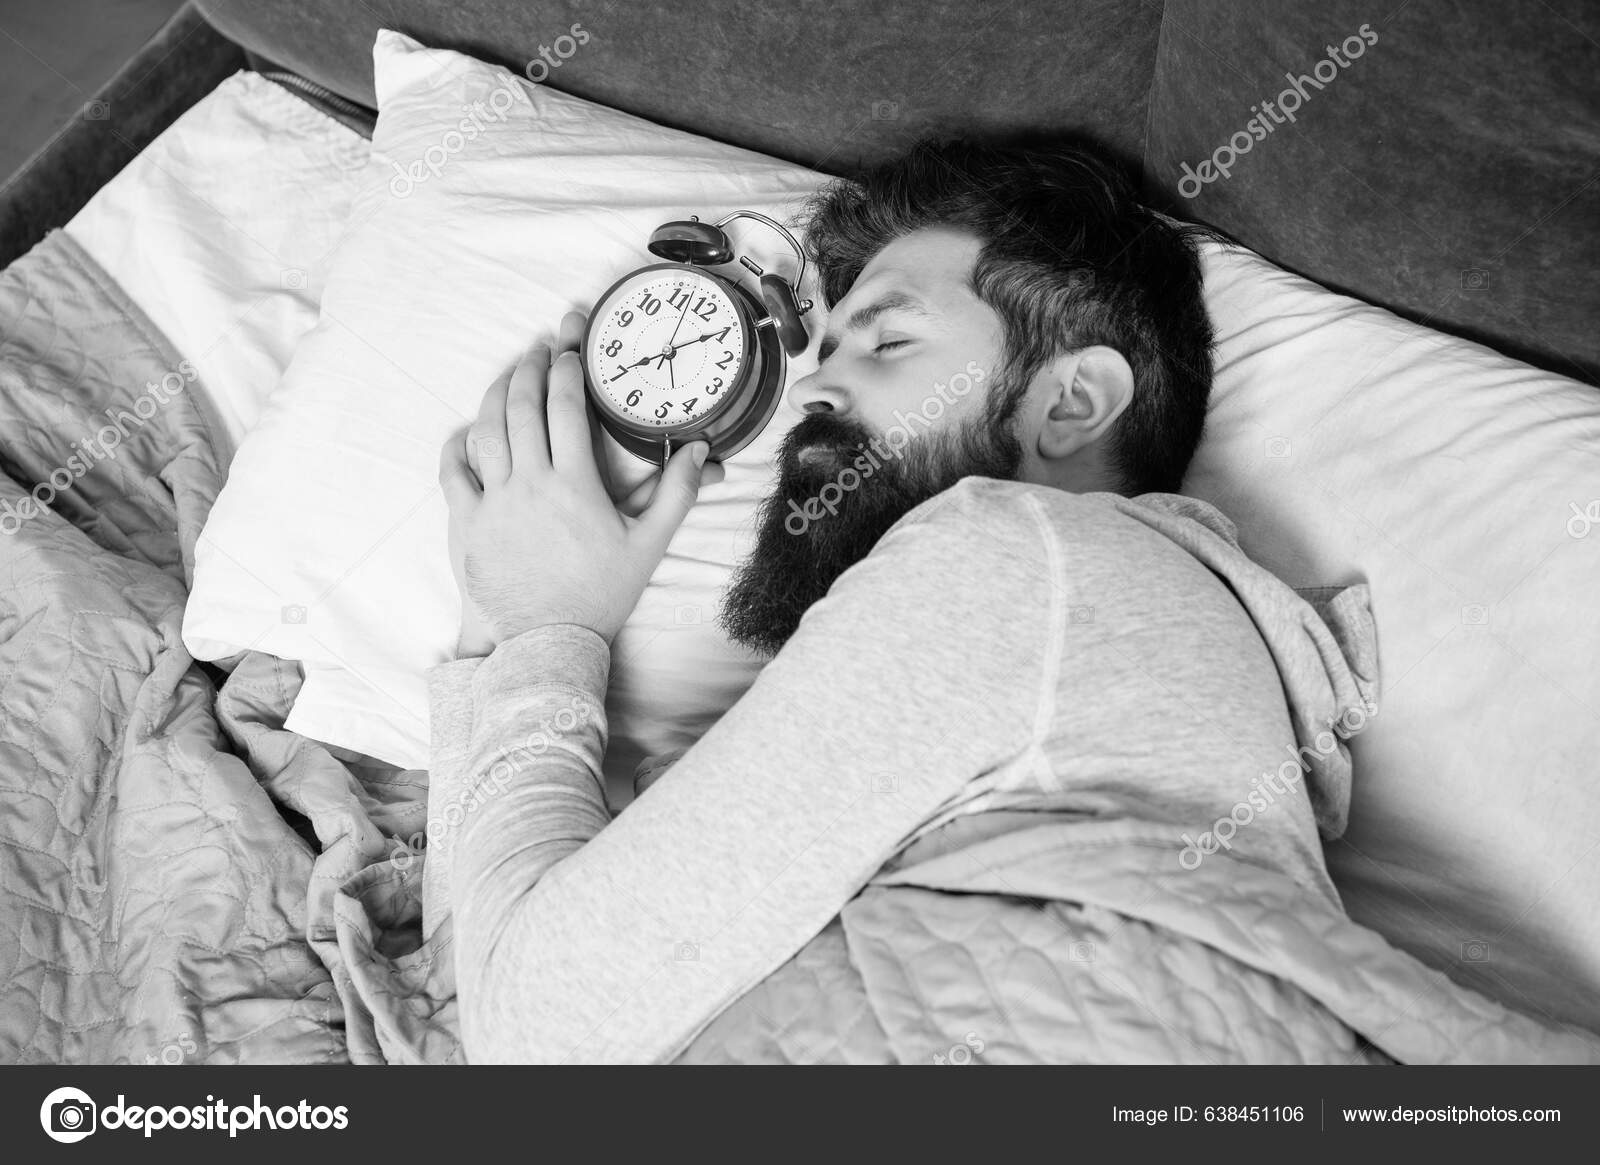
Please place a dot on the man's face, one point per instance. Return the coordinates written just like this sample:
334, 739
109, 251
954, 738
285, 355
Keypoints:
895, 414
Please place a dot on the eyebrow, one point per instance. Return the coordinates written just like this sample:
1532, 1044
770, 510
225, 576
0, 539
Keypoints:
862, 317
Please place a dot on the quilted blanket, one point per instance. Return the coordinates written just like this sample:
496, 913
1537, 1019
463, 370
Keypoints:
166, 847
1021, 940
1024, 937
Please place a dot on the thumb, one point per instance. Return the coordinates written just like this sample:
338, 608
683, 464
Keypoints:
638, 499
675, 493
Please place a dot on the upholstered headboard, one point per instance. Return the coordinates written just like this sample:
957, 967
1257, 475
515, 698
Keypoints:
827, 84
1449, 169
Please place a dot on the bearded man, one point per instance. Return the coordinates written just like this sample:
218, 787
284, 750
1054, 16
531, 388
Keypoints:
982, 616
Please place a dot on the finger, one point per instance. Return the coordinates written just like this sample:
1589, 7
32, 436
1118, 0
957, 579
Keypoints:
485, 446
526, 438
456, 477
640, 497
621, 466
572, 326
461, 444
621, 471
571, 442
675, 494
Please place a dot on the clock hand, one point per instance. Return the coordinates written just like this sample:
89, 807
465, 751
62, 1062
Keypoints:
626, 368
686, 301
707, 336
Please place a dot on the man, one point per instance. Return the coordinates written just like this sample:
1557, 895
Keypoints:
983, 629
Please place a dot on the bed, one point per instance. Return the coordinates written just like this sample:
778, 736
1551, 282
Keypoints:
189, 862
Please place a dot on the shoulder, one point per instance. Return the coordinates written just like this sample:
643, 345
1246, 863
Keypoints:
981, 542
962, 589
981, 537
980, 511
1022, 517
1051, 533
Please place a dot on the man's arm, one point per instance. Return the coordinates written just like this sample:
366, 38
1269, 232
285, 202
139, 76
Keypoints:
929, 663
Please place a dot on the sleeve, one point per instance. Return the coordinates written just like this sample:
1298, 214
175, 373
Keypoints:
927, 664
450, 737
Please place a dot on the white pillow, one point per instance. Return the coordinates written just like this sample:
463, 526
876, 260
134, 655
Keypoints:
1347, 443
328, 543
221, 230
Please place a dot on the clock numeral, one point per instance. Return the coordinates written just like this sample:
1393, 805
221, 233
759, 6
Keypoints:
625, 318
716, 385
613, 348
649, 304
706, 308
634, 398
688, 405
727, 359
679, 297
663, 408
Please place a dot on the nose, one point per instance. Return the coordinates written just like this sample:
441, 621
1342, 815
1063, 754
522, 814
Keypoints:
818, 394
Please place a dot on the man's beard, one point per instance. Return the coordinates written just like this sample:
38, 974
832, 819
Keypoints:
801, 549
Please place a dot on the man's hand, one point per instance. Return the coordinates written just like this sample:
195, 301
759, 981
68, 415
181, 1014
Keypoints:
535, 537
476, 637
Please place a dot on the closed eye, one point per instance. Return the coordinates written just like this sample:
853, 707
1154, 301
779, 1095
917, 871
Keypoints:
888, 344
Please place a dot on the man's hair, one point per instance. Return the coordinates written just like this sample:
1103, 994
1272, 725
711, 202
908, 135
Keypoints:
1070, 258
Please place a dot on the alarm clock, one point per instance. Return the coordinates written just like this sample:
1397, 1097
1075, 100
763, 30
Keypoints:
674, 352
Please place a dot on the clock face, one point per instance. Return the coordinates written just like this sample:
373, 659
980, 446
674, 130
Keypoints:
665, 348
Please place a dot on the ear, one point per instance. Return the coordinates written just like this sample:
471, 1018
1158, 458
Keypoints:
1085, 392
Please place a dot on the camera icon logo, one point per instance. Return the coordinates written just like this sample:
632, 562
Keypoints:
963, 1053
97, 111
1474, 615
1080, 614
1278, 447
1475, 951
293, 279
67, 1115
686, 952
294, 613
885, 783
1082, 952
686, 614
885, 111
1474, 279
